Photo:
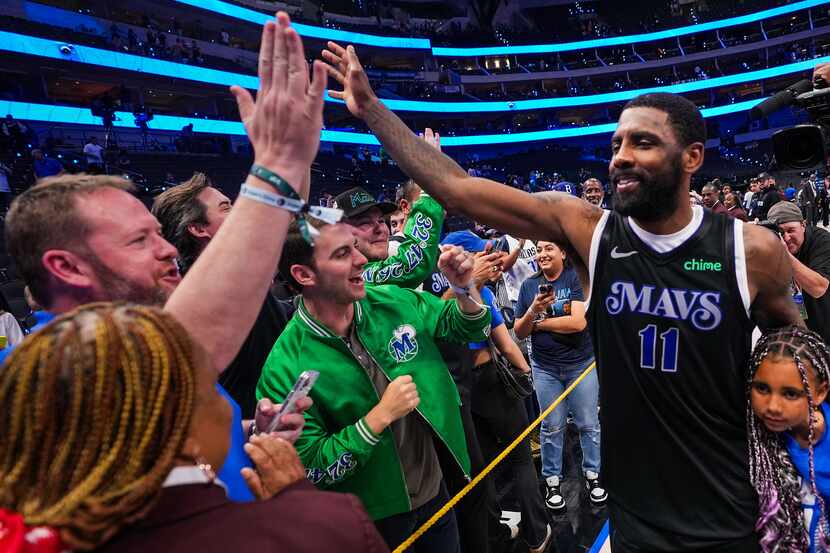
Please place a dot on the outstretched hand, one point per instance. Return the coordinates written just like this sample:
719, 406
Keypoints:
345, 68
284, 122
431, 138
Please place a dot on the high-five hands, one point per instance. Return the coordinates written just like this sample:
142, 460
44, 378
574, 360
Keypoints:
284, 122
345, 68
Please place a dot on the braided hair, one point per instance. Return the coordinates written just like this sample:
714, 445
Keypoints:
780, 523
96, 406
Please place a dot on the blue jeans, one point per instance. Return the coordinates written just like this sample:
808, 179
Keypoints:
581, 402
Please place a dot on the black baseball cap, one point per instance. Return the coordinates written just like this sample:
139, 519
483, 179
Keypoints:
355, 201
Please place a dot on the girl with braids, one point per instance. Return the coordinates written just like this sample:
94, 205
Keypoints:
111, 432
787, 426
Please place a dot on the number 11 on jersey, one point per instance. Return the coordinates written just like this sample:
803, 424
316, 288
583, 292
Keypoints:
648, 348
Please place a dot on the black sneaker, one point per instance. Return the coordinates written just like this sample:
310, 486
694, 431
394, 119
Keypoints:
553, 496
596, 493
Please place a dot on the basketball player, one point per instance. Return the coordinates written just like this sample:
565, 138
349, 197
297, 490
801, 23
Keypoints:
673, 294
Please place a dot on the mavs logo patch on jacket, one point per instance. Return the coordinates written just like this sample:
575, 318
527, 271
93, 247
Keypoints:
403, 346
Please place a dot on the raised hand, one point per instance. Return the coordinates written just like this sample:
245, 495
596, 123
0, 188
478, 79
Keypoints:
345, 68
431, 138
486, 266
284, 122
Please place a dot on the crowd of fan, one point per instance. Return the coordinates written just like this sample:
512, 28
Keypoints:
140, 414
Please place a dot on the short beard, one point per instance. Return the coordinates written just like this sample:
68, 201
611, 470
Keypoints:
656, 197
117, 288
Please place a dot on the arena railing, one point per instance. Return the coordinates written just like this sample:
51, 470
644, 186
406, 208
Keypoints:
34, 46
323, 33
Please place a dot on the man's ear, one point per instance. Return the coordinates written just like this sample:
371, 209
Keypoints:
68, 267
304, 275
198, 231
404, 206
693, 157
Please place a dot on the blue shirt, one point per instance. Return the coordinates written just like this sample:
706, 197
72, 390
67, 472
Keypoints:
496, 320
47, 167
236, 460
549, 349
821, 459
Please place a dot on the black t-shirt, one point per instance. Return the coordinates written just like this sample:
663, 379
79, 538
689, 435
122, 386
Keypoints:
815, 253
241, 376
768, 199
672, 338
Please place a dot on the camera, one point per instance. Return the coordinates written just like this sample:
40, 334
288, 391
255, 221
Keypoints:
803, 147
66, 49
545, 289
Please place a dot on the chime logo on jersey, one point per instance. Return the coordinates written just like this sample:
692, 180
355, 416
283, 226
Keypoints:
403, 346
701, 308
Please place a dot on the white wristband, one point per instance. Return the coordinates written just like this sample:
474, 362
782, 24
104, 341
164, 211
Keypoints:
327, 214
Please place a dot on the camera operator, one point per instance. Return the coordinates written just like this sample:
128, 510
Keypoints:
809, 249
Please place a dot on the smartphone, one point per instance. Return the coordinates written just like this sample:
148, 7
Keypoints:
300, 390
546, 289
559, 308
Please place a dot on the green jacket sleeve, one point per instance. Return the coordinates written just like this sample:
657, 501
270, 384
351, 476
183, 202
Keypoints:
447, 322
417, 254
329, 457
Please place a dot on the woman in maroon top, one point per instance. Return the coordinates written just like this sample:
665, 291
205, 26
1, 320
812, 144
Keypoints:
112, 431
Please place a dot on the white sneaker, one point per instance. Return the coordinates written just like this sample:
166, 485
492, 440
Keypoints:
553, 496
596, 493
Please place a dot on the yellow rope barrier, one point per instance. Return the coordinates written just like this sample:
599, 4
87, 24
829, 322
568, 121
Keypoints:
499, 458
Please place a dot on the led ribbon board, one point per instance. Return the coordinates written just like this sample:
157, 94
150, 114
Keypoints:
34, 46
628, 39
310, 31
83, 116
323, 33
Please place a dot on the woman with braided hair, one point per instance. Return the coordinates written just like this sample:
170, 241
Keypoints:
789, 452
112, 430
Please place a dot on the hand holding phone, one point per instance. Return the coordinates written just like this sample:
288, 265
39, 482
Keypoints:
300, 390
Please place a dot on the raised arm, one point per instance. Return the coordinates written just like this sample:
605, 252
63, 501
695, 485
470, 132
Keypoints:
769, 275
220, 297
551, 216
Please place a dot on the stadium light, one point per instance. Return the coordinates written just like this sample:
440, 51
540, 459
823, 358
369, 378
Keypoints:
83, 116
35, 46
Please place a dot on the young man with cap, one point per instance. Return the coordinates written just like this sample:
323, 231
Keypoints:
416, 254
809, 252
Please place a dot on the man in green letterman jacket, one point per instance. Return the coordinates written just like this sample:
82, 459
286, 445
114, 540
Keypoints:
384, 400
